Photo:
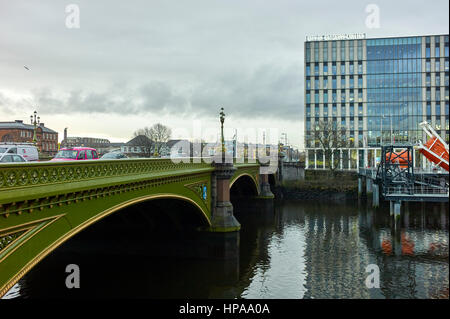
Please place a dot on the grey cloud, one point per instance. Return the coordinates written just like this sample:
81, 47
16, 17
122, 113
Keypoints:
269, 91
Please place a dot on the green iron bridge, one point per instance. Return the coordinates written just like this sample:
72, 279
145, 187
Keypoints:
44, 204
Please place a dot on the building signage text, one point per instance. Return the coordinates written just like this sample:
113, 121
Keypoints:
353, 36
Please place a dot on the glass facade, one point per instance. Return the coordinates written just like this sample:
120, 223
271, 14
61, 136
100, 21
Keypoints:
394, 90
379, 90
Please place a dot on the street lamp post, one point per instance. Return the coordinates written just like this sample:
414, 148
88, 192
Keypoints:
35, 120
222, 120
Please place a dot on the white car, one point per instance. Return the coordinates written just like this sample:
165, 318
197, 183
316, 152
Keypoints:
11, 158
27, 151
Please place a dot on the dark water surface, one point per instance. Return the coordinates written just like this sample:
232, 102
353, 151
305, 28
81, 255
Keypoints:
288, 249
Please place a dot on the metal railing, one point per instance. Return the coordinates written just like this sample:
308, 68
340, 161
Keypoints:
416, 191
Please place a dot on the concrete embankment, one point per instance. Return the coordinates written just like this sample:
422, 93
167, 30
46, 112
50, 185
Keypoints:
320, 185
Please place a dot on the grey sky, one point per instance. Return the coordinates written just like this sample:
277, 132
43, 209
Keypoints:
134, 63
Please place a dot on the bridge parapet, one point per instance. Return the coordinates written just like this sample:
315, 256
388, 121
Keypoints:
28, 181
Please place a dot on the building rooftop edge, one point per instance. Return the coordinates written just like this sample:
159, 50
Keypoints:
374, 38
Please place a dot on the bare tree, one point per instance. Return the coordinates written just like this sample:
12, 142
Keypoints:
146, 144
157, 135
331, 139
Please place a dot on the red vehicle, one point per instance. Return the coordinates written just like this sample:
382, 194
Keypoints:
76, 154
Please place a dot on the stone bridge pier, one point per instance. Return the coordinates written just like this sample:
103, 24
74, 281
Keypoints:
222, 237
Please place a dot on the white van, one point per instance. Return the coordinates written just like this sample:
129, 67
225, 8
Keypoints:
28, 151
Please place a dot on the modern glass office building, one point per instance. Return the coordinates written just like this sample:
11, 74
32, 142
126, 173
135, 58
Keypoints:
379, 90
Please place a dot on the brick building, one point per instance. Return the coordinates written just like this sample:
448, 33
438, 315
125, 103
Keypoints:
19, 132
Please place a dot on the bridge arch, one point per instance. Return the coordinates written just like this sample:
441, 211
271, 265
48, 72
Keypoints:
244, 184
60, 240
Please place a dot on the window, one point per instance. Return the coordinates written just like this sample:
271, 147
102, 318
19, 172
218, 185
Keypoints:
82, 155
88, 154
333, 51
437, 79
308, 70
428, 79
360, 67
428, 52
437, 66
325, 82
342, 67
351, 50
360, 50
427, 66
308, 52
316, 69
325, 68
438, 109
308, 84
334, 68
437, 51
352, 70
352, 96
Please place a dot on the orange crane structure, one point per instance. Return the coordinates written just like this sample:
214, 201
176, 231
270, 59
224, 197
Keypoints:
435, 149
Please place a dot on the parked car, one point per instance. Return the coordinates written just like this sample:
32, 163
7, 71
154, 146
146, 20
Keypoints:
27, 151
76, 154
114, 155
11, 158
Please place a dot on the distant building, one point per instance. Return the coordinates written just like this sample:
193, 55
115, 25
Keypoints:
139, 146
177, 148
19, 132
102, 145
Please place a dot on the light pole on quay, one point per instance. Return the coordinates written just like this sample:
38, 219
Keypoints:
35, 120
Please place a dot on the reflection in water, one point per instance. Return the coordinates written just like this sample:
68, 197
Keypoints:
287, 250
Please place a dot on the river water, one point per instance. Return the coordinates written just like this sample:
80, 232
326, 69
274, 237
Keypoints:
289, 249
